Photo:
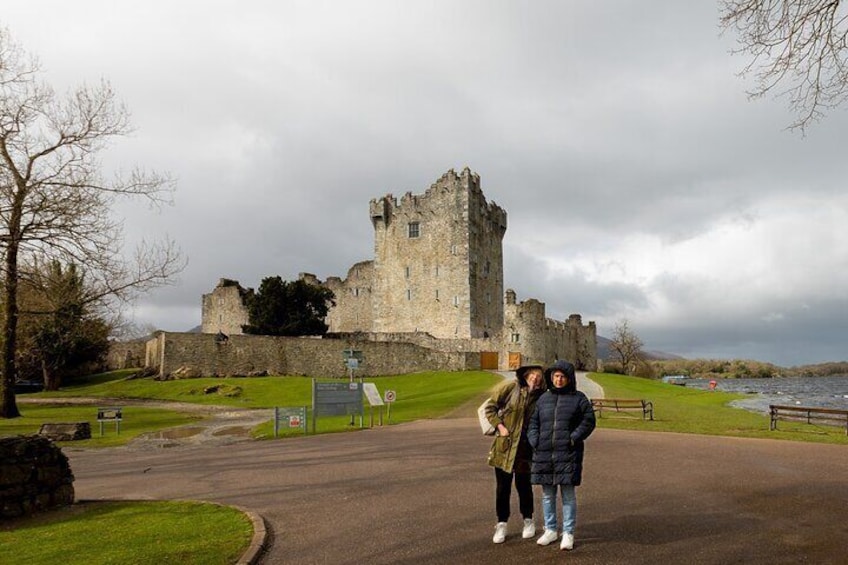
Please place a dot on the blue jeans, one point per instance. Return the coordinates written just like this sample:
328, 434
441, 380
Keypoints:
569, 507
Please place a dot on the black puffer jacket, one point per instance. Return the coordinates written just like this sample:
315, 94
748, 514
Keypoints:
563, 419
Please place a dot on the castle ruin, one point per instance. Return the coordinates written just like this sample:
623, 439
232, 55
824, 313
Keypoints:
436, 280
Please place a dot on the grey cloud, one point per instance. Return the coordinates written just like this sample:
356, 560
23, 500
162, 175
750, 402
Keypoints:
594, 125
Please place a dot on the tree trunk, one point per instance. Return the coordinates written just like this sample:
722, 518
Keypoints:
9, 408
52, 380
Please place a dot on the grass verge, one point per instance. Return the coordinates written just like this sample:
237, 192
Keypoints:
136, 420
140, 533
688, 410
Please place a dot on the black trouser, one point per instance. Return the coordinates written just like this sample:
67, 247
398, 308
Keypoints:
503, 480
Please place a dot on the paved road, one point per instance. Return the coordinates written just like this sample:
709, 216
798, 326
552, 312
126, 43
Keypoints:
422, 493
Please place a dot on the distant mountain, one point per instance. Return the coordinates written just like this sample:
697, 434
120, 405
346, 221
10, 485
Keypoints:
605, 352
196, 330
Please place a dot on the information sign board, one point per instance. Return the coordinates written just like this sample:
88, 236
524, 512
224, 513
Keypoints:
110, 414
372, 394
289, 417
336, 399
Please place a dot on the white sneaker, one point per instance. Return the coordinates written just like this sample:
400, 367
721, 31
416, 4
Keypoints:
547, 537
529, 528
567, 541
500, 533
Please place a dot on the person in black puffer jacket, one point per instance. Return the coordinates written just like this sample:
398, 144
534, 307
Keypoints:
562, 420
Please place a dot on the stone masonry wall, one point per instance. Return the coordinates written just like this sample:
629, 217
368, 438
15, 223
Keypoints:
354, 308
208, 355
34, 476
126, 354
224, 309
529, 332
438, 266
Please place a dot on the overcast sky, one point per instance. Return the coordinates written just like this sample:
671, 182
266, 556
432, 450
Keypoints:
639, 180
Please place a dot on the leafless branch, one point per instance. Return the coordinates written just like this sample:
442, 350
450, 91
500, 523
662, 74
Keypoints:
797, 49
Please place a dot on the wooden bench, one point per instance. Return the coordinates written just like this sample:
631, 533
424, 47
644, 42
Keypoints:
624, 405
810, 415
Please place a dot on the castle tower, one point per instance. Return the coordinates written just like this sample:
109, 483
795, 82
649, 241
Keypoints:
224, 310
438, 260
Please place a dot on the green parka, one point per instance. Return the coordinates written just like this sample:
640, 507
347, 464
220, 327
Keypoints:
512, 404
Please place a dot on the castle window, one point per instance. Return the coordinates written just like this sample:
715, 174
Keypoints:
456, 301
437, 270
356, 291
488, 301
437, 294
515, 338
407, 272
453, 249
414, 229
487, 268
408, 294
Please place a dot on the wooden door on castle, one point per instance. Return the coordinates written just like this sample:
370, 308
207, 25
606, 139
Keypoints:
489, 360
514, 360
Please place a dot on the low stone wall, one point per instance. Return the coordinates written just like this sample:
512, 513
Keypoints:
34, 476
218, 355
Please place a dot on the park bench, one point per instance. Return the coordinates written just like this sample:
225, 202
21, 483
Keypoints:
810, 415
624, 405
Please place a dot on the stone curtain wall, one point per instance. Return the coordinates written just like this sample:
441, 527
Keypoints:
126, 354
243, 355
34, 476
546, 339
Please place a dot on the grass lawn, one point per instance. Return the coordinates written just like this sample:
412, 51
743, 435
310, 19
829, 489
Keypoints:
419, 395
136, 420
688, 410
141, 533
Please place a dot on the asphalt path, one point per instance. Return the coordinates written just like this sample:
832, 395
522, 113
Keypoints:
422, 493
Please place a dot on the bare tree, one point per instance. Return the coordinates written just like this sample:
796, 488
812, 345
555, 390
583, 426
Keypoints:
627, 346
54, 204
798, 43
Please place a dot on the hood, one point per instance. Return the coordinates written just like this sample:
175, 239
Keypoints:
566, 368
521, 376
521, 372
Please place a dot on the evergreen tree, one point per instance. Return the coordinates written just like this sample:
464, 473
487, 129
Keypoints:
288, 308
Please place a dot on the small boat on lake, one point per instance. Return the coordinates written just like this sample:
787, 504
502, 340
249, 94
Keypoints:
679, 380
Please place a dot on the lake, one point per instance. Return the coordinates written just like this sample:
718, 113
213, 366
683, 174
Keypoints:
824, 392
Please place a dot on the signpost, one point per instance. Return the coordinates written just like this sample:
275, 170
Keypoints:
291, 417
336, 399
390, 397
352, 358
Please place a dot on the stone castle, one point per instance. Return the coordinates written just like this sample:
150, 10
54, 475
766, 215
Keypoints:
436, 280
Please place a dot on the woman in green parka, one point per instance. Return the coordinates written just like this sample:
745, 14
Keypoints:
509, 410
